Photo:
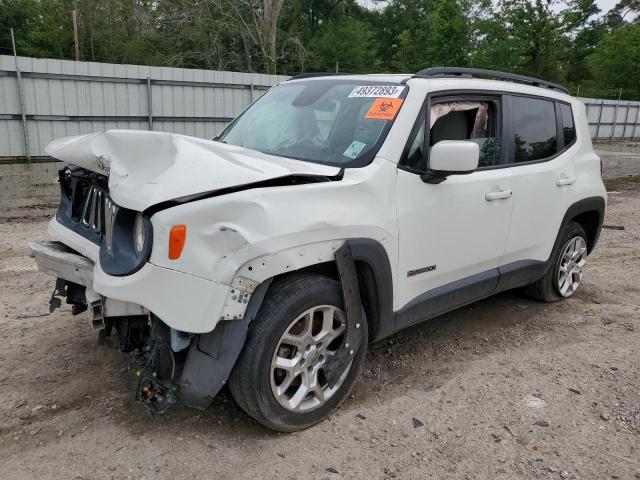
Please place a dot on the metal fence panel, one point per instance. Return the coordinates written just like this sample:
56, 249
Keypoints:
613, 119
63, 98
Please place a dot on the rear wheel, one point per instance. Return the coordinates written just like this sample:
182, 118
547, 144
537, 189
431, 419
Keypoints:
280, 378
565, 275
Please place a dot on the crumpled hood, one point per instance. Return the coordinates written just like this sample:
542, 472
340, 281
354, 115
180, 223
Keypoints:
146, 168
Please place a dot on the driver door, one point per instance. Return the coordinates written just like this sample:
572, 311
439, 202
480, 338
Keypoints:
452, 235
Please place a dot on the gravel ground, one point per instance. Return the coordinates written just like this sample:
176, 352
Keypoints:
506, 388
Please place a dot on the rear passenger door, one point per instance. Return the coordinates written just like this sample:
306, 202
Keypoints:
539, 136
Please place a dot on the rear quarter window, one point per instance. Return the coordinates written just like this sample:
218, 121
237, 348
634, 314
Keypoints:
568, 126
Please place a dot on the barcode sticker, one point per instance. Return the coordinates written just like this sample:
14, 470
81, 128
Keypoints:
376, 91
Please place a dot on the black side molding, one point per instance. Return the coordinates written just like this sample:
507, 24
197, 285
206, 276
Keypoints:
447, 297
519, 274
589, 204
378, 286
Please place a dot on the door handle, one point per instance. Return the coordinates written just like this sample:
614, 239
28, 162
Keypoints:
564, 181
502, 194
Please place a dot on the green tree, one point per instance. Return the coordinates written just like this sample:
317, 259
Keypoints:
41, 28
525, 37
444, 36
348, 42
400, 31
569, 42
616, 62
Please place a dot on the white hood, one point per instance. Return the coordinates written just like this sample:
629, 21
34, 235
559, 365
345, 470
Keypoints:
146, 168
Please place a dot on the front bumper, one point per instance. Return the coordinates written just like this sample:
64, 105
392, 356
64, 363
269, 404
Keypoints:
182, 301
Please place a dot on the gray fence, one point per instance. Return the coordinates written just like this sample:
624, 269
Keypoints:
62, 98
612, 119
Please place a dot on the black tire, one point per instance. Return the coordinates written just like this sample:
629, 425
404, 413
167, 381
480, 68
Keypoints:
546, 289
250, 380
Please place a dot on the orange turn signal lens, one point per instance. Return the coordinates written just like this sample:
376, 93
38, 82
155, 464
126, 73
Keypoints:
177, 236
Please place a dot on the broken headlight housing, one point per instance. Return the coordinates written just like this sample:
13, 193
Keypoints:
138, 233
127, 242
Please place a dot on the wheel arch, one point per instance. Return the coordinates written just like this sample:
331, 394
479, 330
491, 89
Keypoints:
375, 280
591, 222
589, 214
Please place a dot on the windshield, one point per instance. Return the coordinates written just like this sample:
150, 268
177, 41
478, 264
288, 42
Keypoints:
334, 122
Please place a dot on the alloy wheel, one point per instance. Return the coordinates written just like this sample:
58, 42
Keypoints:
301, 355
570, 266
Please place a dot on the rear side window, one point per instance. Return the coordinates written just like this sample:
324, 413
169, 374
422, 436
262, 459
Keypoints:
568, 127
534, 128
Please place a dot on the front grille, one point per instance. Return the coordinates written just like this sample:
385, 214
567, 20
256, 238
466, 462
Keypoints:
85, 206
93, 210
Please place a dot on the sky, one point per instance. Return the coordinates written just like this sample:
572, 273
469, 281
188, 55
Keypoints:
606, 5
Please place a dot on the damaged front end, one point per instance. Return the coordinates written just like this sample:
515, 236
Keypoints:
170, 365
183, 318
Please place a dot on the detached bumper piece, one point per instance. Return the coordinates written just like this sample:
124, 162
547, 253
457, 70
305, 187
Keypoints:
353, 309
74, 274
57, 260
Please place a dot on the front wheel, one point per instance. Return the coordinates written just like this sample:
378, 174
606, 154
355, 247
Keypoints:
565, 273
280, 377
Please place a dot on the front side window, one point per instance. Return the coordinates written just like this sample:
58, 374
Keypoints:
416, 158
534, 128
334, 122
474, 121
462, 119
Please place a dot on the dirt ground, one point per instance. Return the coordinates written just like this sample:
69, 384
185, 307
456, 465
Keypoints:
506, 388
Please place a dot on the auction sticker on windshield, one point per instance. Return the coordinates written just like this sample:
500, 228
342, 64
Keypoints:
354, 149
384, 108
376, 91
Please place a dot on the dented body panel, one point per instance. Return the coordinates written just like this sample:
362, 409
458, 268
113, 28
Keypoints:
147, 168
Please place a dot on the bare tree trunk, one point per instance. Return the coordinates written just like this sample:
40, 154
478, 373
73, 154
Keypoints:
271, 14
247, 54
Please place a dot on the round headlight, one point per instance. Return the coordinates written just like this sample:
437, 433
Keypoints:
138, 234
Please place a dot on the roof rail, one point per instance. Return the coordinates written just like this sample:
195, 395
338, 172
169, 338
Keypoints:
480, 72
314, 74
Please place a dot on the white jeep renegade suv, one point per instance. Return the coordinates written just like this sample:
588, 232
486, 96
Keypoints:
333, 212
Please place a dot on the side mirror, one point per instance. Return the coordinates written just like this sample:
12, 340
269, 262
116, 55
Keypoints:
451, 157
